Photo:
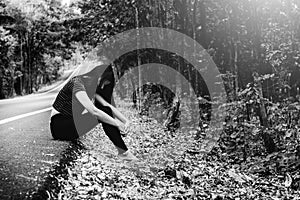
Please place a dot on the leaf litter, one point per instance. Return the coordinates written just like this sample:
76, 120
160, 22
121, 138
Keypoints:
166, 170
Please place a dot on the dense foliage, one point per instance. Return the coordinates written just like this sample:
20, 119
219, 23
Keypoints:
242, 36
34, 43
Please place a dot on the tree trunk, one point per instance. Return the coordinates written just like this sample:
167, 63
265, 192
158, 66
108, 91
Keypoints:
2, 96
203, 32
172, 122
268, 140
182, 64
233, 48
134, 89
236, 73
12, 83
29, 64
139, 89
195, 26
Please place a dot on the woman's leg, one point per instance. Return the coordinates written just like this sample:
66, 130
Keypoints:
113, 132
64, 128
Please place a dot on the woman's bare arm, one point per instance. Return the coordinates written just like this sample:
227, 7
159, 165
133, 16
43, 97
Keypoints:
91, 108
115, 111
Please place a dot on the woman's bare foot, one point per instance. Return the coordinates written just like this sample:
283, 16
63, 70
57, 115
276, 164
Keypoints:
120, 151
128, 156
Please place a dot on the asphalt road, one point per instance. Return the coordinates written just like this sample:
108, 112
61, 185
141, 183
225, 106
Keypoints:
34, 102
27, 151
23, 105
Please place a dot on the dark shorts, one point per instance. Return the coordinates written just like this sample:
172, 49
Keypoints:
63, 127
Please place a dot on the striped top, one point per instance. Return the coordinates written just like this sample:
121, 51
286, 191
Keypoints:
65, 102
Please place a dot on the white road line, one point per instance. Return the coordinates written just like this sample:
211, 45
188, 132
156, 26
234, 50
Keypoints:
4, 121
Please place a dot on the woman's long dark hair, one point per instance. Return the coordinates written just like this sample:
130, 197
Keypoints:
107, 91
90, 79
108, 75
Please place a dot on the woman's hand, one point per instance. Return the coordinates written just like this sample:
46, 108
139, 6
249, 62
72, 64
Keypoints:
126, 128
123, 127
127, 125
120, 126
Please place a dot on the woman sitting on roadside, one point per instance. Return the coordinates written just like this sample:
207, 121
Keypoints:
69, 119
